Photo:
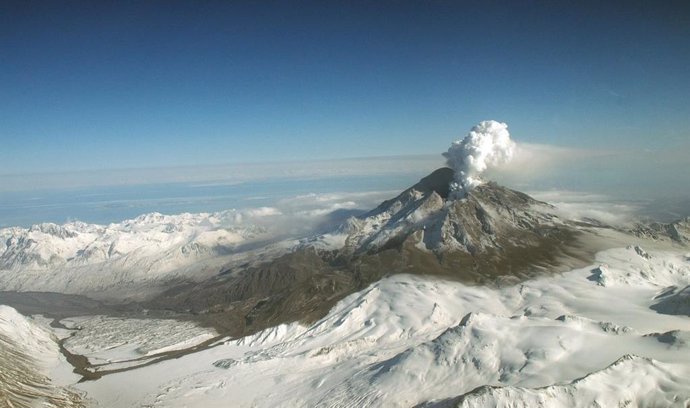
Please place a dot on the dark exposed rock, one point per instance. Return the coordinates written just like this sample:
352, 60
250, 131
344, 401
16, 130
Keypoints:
674, 338
676, 302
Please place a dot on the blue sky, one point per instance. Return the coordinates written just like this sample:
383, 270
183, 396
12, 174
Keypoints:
108, 85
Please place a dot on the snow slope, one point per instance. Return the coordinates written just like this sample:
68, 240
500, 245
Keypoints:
409, 340
29, 356
631, 381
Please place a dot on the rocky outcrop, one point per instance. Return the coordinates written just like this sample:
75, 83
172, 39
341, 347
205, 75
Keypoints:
677, 231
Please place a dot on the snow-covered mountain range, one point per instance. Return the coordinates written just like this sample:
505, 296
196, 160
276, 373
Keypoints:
135, 254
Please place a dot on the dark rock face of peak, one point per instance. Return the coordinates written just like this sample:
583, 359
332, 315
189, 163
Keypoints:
502, 196
674, 302
438, 181
436, 184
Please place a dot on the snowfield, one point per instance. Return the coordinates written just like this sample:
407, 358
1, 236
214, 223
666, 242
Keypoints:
582, 338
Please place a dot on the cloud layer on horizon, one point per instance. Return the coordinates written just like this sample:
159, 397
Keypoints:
226, 174
626, 173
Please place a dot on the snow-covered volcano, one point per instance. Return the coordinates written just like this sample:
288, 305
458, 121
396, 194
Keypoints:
488, 217
489, 232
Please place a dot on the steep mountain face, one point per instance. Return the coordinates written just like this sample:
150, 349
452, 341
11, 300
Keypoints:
27, 354
674, 300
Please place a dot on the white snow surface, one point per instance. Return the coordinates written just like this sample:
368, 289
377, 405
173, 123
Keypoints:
151, 249
557, 341
487, 145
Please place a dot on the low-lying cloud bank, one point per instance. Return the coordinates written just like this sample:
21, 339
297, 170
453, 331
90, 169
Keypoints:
578, 205
524, 166
306, 214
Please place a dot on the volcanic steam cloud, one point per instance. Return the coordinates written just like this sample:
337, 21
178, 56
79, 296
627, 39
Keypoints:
487, 145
